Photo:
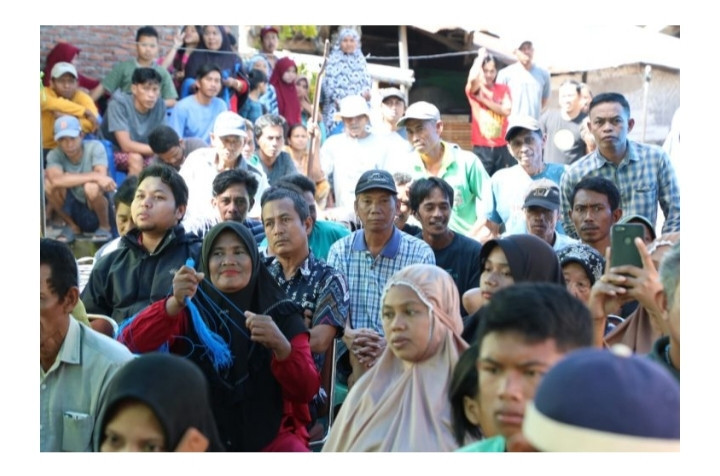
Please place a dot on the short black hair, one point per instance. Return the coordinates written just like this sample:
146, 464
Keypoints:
298, 180
146, 75
464, 383
287, 191
610, 97
255, 78
162, 139
170, 177
126, 191
63, 267
146, 31
599, 185
269, 120
538, 311
421, 188
206, 69
228, 178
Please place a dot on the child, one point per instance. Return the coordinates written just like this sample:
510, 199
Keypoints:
253, 108
283, 79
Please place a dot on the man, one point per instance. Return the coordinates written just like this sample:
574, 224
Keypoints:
169, 148
141, 270
642, 173
344, 157
79, 168
194, 115
527, 329
63, 98
431, 202
323, 233
270, 131
594, 209
368, 257
433, 157
76, 363
120, 76
269, 42
405, 220
666, 349
529, 84
542, 212
562, 126
318, 288
200, 168
129, 119
392, 108
234, 193
525, 143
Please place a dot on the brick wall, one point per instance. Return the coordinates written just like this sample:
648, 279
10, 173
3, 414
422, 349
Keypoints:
456, 128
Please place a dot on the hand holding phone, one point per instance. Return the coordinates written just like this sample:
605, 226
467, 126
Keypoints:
622, 245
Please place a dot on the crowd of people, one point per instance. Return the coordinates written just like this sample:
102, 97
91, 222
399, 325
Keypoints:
278, 279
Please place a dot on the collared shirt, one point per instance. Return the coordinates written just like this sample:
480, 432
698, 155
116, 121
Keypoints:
317, 287
462, 169
367, 275
72, 390
645, 177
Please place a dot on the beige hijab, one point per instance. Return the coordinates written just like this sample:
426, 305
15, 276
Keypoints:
398, 408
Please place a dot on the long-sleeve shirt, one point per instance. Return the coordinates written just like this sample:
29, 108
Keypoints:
50, 103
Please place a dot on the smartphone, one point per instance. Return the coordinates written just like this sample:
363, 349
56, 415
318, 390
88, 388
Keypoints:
622, 244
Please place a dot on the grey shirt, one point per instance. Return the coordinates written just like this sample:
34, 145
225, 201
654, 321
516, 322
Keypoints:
121, 115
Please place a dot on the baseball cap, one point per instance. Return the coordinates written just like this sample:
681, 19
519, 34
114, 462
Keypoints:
639, 219
228, 123
61, 68
599, 400
421, 110
376, 179
67, 126
543, 194
352, 106
518, 122
392, 93
267, 29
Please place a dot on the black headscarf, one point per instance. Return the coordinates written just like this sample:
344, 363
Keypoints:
530, 259
246, 398
175, 390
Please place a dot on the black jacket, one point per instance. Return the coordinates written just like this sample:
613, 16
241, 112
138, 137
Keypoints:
128, 279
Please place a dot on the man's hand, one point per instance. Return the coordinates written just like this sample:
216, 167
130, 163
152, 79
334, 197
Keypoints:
365, 344
90, 116
106, 183
264, 330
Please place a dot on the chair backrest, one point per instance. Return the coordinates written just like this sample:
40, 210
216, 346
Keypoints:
327, 381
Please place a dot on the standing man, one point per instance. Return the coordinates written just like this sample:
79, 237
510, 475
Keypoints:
141, 270
270, 131
269, 42
594, 209
642, 173
529, 84
431, 202
542, 212
76, 362
564, 144
434, 157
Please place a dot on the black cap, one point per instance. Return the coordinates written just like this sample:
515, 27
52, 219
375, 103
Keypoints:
376, 179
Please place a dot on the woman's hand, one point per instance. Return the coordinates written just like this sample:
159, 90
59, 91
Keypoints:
185, 285
264, 330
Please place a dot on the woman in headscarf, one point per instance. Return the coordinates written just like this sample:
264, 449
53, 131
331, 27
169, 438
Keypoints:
157, 402
65, 52
283, 79
345, 75
245, 334
269, 98
582, 265
401, 403
214, 48
506, 261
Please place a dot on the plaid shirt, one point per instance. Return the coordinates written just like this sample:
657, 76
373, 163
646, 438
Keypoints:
367, 275
644, 177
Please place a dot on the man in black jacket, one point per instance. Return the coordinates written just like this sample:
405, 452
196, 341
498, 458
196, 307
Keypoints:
141, 270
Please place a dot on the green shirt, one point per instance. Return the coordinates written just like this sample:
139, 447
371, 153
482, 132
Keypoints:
120, 77
496, 444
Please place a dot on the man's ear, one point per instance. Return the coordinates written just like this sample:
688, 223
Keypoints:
180, 212
192, 442
631, 124
308, 224
70, 300
617, 215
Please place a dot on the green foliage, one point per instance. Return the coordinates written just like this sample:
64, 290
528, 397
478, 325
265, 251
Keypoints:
288, 32
312, 78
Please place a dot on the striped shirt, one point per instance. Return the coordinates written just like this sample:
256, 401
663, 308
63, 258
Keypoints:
645, 177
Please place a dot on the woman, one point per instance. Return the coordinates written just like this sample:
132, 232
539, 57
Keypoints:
345, 75
506, 261
401, 403
297, 147
214, 48
269, 97
248, 338
283, 80
465, 398
65, 52
302, 86
158, 402
582, 265
183, 45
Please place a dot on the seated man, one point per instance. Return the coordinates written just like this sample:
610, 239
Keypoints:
63, 98
270, 131
234, 193
139, 272
122, 199
120, 76
80, 168
130, 118
169, 148
527, 328
542, 212
193, 116
76, 363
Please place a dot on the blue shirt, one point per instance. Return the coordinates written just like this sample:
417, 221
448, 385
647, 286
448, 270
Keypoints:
367, 275
644, 177
189, 118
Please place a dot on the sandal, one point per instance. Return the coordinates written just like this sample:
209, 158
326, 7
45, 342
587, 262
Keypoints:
101, 236
66, 235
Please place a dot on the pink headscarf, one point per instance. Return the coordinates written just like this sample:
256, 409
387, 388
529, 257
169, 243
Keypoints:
394, 407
